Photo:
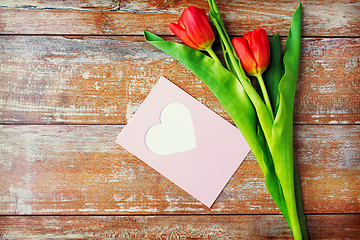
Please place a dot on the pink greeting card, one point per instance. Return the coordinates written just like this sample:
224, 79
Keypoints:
185, 141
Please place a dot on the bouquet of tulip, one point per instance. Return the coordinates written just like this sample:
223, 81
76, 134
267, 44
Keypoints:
264, 113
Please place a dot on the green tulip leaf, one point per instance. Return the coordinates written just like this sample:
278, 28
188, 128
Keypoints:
281, 144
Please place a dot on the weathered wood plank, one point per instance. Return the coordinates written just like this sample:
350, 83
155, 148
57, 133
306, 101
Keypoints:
103, 80
80, 170
85, 5
174, 227
321, 18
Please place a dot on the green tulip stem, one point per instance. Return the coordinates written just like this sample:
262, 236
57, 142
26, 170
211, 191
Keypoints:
265, 94
213, 55
233, 62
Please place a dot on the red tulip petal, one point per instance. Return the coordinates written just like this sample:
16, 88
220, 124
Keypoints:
259, 46
197, 27
246, 56
180, 33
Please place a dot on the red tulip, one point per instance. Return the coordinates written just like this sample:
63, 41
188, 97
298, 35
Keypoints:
254, 51
194, 29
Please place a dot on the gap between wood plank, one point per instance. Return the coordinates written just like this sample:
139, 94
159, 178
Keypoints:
167, 215
160, 35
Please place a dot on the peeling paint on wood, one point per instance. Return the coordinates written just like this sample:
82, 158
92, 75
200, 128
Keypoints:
85, 62
321, 18
175, 227
100, 80
80, 169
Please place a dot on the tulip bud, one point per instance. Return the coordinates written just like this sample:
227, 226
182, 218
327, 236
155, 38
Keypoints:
254, 51
194, 29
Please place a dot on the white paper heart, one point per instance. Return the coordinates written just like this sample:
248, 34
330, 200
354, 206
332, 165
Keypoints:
174, 134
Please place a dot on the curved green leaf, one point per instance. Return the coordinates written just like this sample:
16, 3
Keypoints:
281, 144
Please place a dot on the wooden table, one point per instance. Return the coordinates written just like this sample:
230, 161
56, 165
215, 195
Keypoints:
73, 73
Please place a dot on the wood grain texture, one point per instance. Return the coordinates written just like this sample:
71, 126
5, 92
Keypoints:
84, 5
321, 18
103, 80
175, 227
80, 170
72, 73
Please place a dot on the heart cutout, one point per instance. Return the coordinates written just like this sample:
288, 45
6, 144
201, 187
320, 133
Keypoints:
174, 134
